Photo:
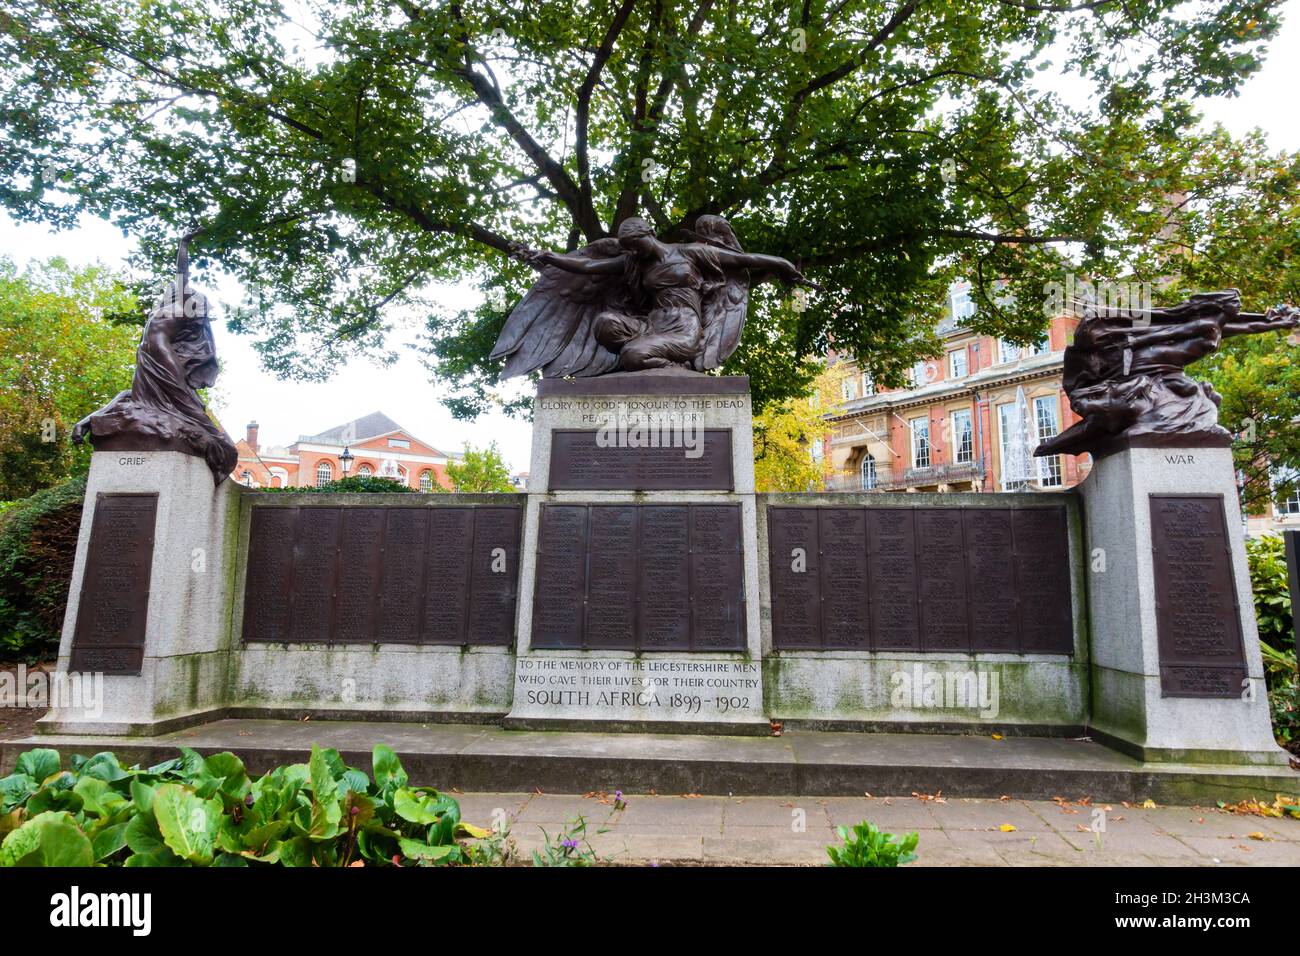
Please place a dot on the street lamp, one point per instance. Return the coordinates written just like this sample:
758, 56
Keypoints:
345, 460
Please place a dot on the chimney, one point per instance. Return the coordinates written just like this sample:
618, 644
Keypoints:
250, 436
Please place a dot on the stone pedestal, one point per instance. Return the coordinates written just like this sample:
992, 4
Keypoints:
633, 464
1176, 668
154, 632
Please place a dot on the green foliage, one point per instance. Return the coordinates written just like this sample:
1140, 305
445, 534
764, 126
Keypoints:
1271, 590
1259, 379
344, 154
865, 845
197, 811
568, 848
62, 356
353, 484
1269, 585
480, 472
38, 543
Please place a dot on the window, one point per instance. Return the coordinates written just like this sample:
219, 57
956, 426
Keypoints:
365, 471
1042, 346
963, 437
1287, 506
958, 366
959, 302
1007, 352
324, 473
920, 374
868, 471
1008, 421
247, 478
1049, 468
868, 386
398, 443
426, 480
920, 442
815, 450
848, 389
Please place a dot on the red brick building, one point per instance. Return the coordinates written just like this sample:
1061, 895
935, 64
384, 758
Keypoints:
953, 428
378, 445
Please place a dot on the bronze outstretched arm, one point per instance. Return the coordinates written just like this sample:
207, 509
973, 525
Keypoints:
1286, 317
782, 268
577, 264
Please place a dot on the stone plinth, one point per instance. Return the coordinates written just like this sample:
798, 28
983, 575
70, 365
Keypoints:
186, 633
666, 463
1166, 549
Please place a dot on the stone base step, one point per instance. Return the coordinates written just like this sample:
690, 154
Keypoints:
816, 763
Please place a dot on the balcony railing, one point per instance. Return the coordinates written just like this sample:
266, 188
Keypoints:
894, 479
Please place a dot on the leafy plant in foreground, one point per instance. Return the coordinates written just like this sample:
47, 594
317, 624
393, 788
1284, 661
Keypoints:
867, 845
207, 811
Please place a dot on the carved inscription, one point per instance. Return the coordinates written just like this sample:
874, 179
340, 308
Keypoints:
920, 579
580, 463
362, 575
1198, 622
891, 541
113, 609
639, 577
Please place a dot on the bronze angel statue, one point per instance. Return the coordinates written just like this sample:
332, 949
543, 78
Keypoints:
633, 302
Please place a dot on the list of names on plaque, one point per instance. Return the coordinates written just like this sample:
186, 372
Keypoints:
381, 575
1198, 619
639, 577
113, 609
920, 579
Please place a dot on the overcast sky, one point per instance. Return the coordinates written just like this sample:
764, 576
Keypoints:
288, 409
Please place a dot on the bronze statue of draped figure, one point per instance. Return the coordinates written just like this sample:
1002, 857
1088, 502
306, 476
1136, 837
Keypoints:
162, 411
633, 303
1124, 373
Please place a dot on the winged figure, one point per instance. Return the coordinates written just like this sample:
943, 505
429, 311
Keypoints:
633, 302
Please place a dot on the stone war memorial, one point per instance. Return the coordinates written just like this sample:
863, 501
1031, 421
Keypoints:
641, 586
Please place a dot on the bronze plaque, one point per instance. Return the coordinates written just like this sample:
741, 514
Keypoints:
1043, 580
993, 605
114, 604
793, 553
842, 534
560, 592
640, 578
1198, 618
382, 574
446, 576
356, 604
268, 591
941, 566
580, 463
664, 577
494, 575
401, 588
920, 579
895, 600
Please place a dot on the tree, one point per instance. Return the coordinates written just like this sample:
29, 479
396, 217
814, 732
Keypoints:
785, 434
62, 356
343, 154
480, 472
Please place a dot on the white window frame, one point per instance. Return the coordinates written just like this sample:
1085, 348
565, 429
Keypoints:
399, 443
427, 480
1288, 507
324, 473
921, 451
1049, 467
1003, 348
848, 389
964, 354
868, 472
963, 442
868, 385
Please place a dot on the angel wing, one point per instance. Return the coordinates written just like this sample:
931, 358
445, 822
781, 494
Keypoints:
551, 327
726, 297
